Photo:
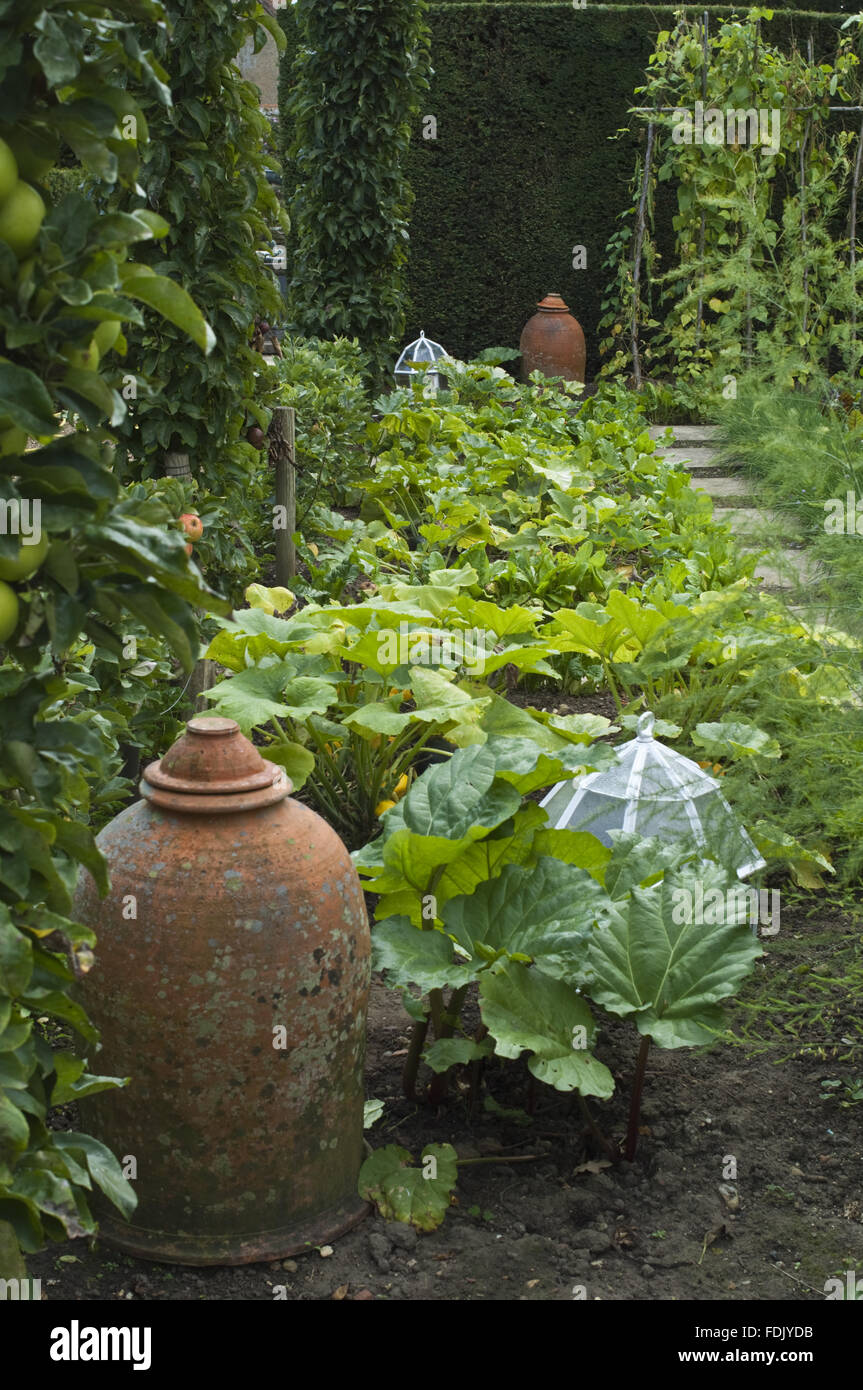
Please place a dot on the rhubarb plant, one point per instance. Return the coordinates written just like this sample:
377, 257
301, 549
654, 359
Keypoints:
654, 961
463, 888
476, 889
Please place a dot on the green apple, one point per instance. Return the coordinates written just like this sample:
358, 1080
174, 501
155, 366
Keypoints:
86, 357
27, 561
8, 170
8, 611
21, 216
106, 335
12, 441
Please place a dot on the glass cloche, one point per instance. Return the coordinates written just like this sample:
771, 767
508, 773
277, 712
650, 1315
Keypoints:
652, 790
422, 350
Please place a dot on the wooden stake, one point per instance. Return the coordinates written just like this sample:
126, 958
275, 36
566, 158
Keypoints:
636, 261
204, 677
282, 434
852, 232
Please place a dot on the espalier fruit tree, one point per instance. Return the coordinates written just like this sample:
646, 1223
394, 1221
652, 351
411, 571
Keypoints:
203, 168
81, 563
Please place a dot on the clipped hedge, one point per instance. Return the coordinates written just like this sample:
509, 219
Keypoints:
523, 170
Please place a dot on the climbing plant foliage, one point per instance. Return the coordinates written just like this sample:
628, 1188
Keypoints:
358, 74
764, 271
202, 168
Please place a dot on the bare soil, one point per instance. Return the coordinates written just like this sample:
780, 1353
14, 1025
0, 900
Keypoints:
547, 1218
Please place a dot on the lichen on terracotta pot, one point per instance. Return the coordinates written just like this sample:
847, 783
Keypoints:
231, 984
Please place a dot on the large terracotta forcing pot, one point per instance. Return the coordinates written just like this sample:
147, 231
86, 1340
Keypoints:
231, 984
552, 342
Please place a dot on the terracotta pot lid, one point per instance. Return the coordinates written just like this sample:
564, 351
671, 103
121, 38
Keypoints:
213, 768
553, 304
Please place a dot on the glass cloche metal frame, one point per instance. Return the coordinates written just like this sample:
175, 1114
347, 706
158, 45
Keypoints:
655, 792
422, 349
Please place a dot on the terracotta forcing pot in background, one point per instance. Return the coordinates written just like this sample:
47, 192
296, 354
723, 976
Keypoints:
552, 342
231, 984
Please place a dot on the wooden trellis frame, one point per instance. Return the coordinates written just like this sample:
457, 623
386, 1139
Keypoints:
640, 226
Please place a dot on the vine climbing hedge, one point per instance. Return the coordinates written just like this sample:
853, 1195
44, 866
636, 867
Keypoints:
358, 74
522, 170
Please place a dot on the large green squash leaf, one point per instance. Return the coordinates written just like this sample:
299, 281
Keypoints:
438, 700
509, 721
252, 697
296, 760
732, 738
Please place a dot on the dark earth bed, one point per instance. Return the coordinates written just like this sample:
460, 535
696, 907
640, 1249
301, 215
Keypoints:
547, 1220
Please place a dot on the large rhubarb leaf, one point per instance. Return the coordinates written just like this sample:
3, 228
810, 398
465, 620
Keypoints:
656, 960
411, 956
544, 914
525, 1009
419, 1196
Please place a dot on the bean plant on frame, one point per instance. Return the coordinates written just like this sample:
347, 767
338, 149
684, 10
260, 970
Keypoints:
759, 274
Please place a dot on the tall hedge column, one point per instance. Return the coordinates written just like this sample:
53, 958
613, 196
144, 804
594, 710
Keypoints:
359, 73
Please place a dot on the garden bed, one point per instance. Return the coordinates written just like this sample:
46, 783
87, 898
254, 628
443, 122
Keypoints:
542, 1217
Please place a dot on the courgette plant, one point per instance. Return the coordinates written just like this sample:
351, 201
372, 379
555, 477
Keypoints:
347, 697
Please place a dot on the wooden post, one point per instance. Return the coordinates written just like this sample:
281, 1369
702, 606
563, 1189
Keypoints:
282, 446
177, 466
203, 677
